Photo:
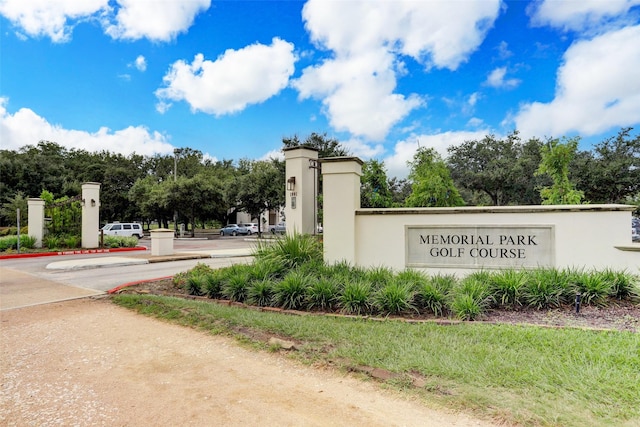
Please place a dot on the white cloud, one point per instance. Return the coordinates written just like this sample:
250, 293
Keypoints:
475, 122
237, 78
141, 63
503, 50
579, 15
50, 18
404, 151
25, 127
125, 19
368, 40
597, 89
359, 148
156, 21
497, 79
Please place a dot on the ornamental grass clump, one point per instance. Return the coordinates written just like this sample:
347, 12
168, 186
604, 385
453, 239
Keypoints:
471, 297
322, 294
214, 282
594, 288
195, 284
291, 291
355, 297
433, 295
546, 288
394, 298
261, 293
508, 287
292, 250
624, 285
414, 278
379, 277
235, 287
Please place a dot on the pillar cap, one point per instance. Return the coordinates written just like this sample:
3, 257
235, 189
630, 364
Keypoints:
341, 159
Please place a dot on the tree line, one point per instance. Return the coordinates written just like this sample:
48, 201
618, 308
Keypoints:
490, 171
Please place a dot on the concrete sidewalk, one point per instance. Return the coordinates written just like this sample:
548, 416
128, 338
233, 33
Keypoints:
19, 289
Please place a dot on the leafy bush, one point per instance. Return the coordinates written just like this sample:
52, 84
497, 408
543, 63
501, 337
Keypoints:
290, 292
73, 241
52, 241
11, 242
8, 242
395, 297
355, 297
120, 242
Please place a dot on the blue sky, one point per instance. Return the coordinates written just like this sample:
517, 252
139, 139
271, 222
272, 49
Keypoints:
232, 78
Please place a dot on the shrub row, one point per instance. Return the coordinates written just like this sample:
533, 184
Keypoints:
290, 274
53, 242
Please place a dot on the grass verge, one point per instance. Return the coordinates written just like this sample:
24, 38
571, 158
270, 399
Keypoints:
524, 375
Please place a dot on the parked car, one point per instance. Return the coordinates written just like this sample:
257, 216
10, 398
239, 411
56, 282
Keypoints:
251, 226
635, 235
126, 229
233, 230
279, 228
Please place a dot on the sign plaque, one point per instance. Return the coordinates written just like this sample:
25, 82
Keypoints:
479, 246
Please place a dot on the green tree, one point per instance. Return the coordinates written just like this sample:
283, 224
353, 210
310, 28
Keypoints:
327, 147
374, 186
400, 189
10, 208
611, 171
261, 188
150, 197
192, 197
501, 170
556, 157
431, 181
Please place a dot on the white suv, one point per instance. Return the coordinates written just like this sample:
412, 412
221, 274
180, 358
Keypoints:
126, 229
251, 226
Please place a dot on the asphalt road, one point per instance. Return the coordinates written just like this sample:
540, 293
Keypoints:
105, 278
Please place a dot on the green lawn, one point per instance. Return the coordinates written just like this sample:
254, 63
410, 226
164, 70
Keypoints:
524, 375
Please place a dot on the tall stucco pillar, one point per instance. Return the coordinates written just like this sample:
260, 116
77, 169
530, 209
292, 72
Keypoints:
35, 216
90, 214
301, 189
340, 198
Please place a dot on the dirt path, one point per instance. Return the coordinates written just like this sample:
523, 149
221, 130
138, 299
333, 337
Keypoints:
89, 362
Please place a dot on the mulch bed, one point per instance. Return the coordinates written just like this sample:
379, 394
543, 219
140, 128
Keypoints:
618, 315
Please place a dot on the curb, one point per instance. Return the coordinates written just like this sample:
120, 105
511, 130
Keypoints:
137, 282
72, 252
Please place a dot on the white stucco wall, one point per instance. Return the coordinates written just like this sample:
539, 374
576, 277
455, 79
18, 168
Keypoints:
584, 235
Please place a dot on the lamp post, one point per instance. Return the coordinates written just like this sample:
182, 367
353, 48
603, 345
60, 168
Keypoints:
176, 153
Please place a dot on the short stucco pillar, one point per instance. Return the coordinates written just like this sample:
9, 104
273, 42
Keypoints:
301, 189
162, 242
341, 198
35, 217
90, 214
